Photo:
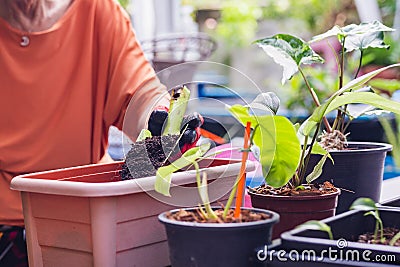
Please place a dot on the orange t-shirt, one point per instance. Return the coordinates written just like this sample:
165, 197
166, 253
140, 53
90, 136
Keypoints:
61, 92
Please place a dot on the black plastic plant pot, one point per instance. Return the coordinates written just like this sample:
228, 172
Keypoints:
217, 244
277, 255
346, 228
358, 171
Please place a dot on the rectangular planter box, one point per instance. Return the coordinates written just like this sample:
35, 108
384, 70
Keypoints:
345, 228
87, 216
394, 202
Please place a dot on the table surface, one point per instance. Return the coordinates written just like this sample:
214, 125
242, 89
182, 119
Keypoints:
390, 188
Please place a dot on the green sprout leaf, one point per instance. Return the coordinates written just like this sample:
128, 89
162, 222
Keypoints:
317, 171
163, 175
317, 225
289, 52
319, 150
278, 143
363, 204
144, 133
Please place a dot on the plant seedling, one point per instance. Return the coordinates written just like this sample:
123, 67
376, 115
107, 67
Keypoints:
362, 204
368, 205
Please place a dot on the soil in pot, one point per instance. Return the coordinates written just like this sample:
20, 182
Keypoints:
233, 244
146, 156
307, 190
388, 234
196, 216
317, 202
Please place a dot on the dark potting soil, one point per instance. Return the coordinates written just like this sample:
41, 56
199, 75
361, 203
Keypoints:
145, 157
197, 216
308, 190
388, 234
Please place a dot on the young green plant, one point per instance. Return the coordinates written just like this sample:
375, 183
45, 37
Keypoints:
368, 205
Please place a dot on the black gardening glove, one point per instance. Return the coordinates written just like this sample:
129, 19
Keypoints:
190, 125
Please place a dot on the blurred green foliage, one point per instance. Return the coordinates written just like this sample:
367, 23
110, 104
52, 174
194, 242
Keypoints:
124, 3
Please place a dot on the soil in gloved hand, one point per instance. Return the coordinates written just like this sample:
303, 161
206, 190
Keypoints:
145, 157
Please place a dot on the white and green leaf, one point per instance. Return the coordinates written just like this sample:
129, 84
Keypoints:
289, 52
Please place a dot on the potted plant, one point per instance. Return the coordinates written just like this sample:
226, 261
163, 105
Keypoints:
90, 216
357, 167
367, 234
216, 236
283, 160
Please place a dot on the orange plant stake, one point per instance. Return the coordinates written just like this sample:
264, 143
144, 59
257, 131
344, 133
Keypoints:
242, 179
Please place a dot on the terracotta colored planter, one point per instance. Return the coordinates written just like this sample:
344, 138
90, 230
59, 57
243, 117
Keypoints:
217, 244
296, 210
87, 216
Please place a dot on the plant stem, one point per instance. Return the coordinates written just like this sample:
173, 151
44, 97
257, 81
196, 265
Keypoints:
315, 99
359, 63
339, 117
303, 172
303, 153
209, 214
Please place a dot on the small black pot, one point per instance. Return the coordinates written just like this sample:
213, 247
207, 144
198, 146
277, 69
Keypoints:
217, 244
346, 227
358, 171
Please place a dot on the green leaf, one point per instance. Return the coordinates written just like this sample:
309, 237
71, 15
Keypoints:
311, 122
363, 204
387, 85
267, 102
317, 225
278, 143
163, 175
177, 109
289, 52
300, 187
317, 171
319, 150
144, 133
364, 41
358, 37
